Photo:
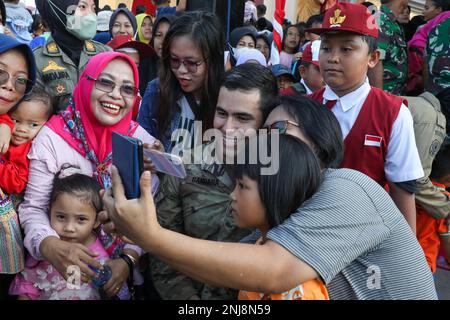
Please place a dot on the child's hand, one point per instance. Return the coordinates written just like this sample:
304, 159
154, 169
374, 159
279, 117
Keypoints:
120, 272
5, 138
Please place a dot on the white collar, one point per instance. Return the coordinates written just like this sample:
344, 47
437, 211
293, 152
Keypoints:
350, 99
308, 90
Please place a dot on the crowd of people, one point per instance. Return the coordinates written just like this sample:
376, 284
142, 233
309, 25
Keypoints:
353, 104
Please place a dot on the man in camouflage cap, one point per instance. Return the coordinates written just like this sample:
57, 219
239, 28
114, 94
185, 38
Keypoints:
199, 205
391, 72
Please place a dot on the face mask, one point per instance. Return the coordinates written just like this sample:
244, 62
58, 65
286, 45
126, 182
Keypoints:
82, 27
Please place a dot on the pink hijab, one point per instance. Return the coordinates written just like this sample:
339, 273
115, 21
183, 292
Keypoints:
78, 122
419, 39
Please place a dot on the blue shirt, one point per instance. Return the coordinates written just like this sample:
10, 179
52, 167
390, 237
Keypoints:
166, 10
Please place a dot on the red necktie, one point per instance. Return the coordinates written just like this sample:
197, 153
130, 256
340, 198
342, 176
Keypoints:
330, 104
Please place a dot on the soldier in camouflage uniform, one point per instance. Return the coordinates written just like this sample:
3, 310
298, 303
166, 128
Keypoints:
438, 57
63, 57
392, 47
199, 205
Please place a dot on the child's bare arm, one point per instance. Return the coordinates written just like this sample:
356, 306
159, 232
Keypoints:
5, 137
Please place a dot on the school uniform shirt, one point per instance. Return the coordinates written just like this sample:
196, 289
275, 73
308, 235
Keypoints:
308, 90
351, 232
401, 160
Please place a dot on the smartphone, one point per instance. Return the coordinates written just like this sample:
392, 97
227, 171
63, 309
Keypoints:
127, 156
166, 163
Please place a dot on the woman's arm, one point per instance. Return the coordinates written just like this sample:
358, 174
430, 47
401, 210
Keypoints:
232, 265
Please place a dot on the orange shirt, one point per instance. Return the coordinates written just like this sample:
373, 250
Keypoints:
310, 290
428, 230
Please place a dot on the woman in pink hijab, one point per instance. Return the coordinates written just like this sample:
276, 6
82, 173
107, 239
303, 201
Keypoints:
81, 136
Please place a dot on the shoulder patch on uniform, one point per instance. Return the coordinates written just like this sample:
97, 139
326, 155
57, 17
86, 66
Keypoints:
89, 46
60, 88
53, 66
52, 47
434, 148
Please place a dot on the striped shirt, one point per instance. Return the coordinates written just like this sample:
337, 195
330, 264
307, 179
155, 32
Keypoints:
354, 236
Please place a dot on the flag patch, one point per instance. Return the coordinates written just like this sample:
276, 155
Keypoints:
372, 141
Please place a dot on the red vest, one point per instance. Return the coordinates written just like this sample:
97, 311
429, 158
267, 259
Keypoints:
367, 142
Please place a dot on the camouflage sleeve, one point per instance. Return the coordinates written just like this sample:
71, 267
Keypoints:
169, 283
384, 41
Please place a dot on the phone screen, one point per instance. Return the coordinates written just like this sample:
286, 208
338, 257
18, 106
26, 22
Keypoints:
166, 163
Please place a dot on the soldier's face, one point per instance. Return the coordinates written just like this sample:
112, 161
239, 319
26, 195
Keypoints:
344, 60
110, 107
237, 116
246, 206
12, 62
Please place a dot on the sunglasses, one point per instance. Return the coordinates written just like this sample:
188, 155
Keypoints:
281, 126
20, 83
106, 85
189, 65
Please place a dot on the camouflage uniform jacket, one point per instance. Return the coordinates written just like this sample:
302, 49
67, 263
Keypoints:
392, 47
56, 72
198, 206
438, 57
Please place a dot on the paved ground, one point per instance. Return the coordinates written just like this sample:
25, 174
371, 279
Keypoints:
442, 279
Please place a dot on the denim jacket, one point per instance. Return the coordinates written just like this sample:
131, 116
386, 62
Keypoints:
148, 115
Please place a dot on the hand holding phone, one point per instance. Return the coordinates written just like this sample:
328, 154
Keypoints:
128, 158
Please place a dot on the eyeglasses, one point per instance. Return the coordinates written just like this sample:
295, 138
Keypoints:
189, 65
281, 126
20, 83
106, 85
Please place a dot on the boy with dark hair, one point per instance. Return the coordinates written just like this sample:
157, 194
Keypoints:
377, 127
391, 71
314, 21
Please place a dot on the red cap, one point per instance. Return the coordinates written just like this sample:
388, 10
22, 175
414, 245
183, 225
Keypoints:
126, 41
311, 52
352, 17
